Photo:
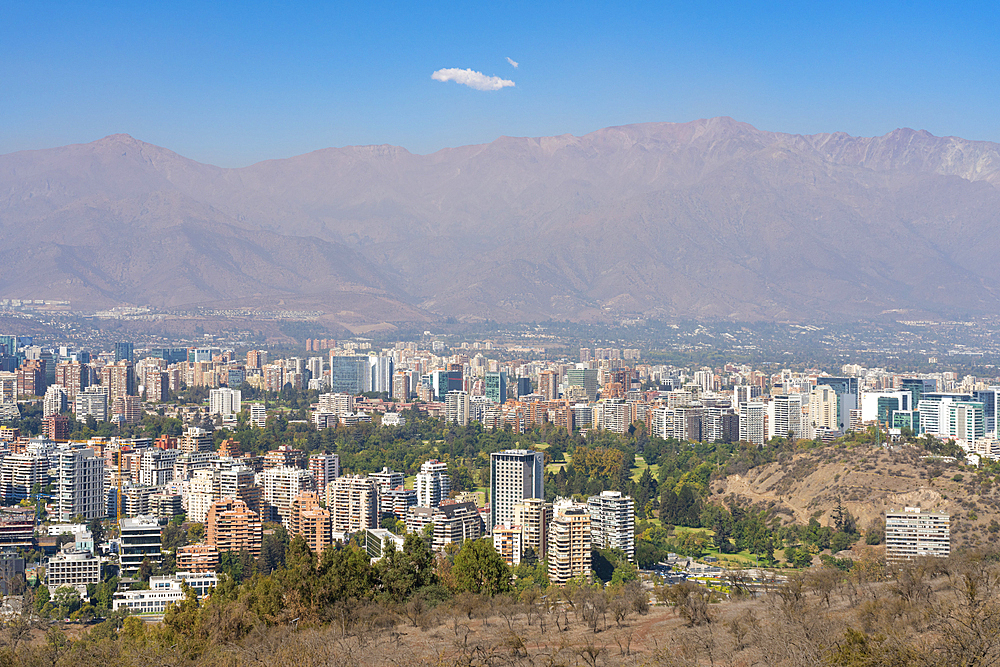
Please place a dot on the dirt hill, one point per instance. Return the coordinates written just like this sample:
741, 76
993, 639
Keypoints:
869, 481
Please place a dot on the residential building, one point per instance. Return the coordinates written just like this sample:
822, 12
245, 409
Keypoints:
507, 540
568, 553
197, 558
784, 416
55, 401
375, 542
612, 522
224, 401
258, 415
453, 523
232, 526
311, 521
387, 479
914, 533
515, 474
79, 485
533, 515
163, 592
353, 503
753, 422
325, 468
91, 402
432, 483
457, 407
282, 484
196, 440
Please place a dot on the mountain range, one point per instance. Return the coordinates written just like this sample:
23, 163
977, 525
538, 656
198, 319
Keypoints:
707, 219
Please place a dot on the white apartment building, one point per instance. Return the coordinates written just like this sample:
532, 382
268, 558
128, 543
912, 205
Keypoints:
353, 503
91, 402
570, 543
79, 485
282, 484
156, 467
612, 522
54, 401
201, 495
258, 415
432, 484
753, 422
457, 407
913, 533
784, 416
224, 401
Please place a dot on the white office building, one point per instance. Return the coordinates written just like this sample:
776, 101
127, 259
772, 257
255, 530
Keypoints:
163, 592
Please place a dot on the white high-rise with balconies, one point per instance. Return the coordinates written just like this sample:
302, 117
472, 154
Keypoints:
612, 522
432, 484
515, 474
79, 485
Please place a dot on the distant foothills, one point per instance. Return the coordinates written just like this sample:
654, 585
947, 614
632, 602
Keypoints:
711, 219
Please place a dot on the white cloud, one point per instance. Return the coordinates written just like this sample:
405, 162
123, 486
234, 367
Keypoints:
512, 62
472, 79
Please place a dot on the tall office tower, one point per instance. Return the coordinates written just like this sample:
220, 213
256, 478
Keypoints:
744, 393
258, 415
124, 352
913, 533
456, 407
79, 485
824, 412
73, 377
847, 398
256, 359
196, 440
548, 385
495, 387
515, 474
325, 468
990, 398
432, 484
55, 400
92, 402
401, 386
784, 416
443, 381
119, 379
583, 377
350, 374
310, 521
753, 422
963, 420
570, 543
612, 522
584, 355
282, 484
533, 516
382, 368
917, 388
353, 504
232, 526
224, 401
880, 405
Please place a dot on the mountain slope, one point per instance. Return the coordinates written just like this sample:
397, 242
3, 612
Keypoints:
712, 218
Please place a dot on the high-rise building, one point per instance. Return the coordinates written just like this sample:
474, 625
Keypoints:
325, 468
401, 386
124, 351
258, 415
457, 407
92, 402
74, 568
335, 404
824, 411
913, 533
432, 483
548, 385
387, 478
56, 427
784, 416
55, 400
224, 401
232, 526
73, 376
196, 439
847, 398
583, 377
119, 379
382, 369
19, 473
256, 359
350, 374
753, 422
126, 410
79, 485
310, 521
507, 540
533, 515
282, 484
570, 543
495, 387
515, 474
201, 494
453, 523
353, 503
612, 522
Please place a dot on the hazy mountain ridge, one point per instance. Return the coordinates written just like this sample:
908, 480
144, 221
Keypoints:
711, 218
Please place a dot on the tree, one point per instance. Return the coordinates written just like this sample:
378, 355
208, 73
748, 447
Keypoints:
403, 573
479, 569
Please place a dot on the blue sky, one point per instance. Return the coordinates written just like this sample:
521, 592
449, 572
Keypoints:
234, 83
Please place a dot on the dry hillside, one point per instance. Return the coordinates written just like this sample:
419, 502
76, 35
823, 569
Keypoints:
868, 481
